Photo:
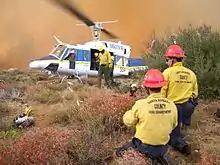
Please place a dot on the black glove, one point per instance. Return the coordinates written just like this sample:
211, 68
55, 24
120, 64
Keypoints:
194, 101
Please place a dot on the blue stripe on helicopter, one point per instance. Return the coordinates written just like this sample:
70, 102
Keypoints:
135, 62
48, 58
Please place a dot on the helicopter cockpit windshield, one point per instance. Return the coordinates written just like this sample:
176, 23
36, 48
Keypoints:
58, 51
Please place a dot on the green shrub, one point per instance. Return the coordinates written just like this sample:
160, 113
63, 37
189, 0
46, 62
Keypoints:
202, 48
10, 133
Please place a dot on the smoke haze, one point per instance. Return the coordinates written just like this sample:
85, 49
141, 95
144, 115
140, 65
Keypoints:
27, 26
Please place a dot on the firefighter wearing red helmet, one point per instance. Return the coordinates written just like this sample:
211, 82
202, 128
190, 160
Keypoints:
154, 118
182, 90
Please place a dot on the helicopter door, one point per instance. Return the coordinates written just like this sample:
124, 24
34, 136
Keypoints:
72, 59
70, 55
94, 62
82, 61
72, 62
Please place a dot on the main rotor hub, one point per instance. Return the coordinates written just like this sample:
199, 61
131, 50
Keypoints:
96, 31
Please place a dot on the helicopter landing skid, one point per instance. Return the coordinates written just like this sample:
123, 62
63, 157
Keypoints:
72, 77
50, 73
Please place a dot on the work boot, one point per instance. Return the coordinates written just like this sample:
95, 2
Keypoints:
169, 159
186, 150
181, 145
121, 150
107, 83
112, 83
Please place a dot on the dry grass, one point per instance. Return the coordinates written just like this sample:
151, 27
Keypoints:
95, 117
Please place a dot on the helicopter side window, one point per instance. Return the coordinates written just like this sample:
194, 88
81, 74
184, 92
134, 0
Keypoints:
86, 55
58, 51
83, 55
126, 61
71, 55
119, 60
79, 56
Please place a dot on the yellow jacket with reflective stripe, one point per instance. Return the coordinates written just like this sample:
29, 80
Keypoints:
182, 84
154, 117
104, 58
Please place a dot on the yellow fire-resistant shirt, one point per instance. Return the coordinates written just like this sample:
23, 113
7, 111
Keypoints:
112, 61
104, 59
155, 118
182, 84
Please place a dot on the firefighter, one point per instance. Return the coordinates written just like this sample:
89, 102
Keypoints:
133, 90
182, 90
154, 117
72, 59
104, 58
111, 69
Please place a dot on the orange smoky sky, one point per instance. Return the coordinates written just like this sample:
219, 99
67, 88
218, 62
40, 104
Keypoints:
27, 26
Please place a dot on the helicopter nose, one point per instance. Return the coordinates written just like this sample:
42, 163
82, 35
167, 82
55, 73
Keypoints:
36, 65
33, 64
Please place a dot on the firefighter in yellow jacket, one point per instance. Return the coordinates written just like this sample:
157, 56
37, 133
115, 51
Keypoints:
182, 90
111, 70
104, 58
154, 117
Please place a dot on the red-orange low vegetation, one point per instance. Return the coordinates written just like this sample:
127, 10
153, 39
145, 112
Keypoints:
84, 126
98, 116
38, 146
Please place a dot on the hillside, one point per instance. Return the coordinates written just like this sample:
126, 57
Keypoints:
80, 124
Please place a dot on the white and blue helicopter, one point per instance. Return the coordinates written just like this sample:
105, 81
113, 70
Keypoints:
79, 59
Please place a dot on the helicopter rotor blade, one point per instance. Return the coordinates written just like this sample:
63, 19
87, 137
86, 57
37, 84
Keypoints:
110, 34
73, 10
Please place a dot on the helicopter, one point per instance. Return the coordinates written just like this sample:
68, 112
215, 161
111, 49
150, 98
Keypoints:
79, 59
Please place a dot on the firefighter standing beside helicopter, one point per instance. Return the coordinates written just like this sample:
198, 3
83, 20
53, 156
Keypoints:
154, 117
182, 90
104, 58
111, 70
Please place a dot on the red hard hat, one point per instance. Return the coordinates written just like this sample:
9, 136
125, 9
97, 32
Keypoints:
174, 51
154, 79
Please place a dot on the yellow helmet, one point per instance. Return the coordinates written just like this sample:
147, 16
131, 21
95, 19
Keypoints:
101, 48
